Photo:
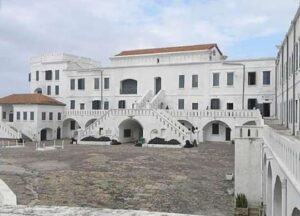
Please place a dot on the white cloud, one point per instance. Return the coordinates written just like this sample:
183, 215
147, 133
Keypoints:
100, 28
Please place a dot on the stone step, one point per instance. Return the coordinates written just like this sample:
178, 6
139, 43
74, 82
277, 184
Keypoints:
75, 211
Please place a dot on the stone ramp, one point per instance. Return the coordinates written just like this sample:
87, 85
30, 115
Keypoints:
75, 211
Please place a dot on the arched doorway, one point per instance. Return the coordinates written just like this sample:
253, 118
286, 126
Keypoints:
269, 190
46, 134
216, 131
277, 204
38, 91
130, 130
157, 84
187, 124
128, 86
70, 126
89, 122
296, 212
58, 133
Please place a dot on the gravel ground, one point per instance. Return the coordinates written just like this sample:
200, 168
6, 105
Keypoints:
190, 181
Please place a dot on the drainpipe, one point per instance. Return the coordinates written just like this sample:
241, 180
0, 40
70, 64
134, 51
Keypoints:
293, 70
244, 71
276, 70
287, 81
282, 76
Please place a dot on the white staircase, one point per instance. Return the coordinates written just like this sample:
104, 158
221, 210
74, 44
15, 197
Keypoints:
175, 129
142, 103
6, 132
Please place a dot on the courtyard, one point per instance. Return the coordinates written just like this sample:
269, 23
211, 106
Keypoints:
123, 177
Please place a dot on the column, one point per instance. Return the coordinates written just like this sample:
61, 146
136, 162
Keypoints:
284, 197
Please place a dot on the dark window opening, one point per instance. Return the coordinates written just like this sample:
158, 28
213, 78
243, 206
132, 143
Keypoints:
252, 103
181, 81
180, 104
252, 78
106, 83
72, 104
215, 103
81, 84
122, 104
72, 125
266, 78
43, 115
128, 86
194, 81
194, 106
56, 74
127, 133
96, 105
215, 129
72, 84
48, 75
106, 105
230, 106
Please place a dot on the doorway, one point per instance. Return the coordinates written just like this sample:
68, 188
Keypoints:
11, 117
58, 133
266, 109
157, 84
228, 137
43, 134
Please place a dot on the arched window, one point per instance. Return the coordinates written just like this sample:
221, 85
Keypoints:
128, 86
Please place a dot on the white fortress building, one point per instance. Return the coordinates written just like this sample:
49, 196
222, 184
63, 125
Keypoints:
169, 96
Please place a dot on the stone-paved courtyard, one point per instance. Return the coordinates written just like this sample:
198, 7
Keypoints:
123, 177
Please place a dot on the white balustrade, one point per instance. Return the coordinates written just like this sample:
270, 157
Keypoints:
144, 100
286, 151
157, 100
9, 131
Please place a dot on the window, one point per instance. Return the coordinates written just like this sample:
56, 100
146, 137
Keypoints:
252, 78
18, 116
82, 106
106, 105
96, 83
57, 90
215, 103
72, 104
180, 103
194, 81
48, 75
252, 103
48, 90
96, 105
106, 83
37, 75
25, 116
50, 116
122, 104
59, 116
194, 106
81, 84
56, 74
215, 129
266, 77
29, 77
72, 125
72, 84
230, 79
31, 116
127, 133
43, 115
216, 79
3, 115
128, 86
230, 106
181, 81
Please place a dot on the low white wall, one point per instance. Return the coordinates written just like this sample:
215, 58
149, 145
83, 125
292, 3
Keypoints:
7, 196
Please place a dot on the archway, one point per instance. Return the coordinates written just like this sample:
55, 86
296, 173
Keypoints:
187, 124
269, 190
89, 122
296, 212
46, 134
69, 127
128, 86
38, 91
130, 130
216, 131
277, 204
250, 123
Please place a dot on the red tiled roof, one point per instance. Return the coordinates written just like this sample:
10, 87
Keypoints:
168, 49
38, 99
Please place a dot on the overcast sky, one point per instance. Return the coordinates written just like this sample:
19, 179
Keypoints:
102, 28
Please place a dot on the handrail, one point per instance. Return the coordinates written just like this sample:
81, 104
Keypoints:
10, 131
286, 151
157, 99
143, 100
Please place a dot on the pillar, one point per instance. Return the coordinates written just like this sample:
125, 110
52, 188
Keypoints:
284, 197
